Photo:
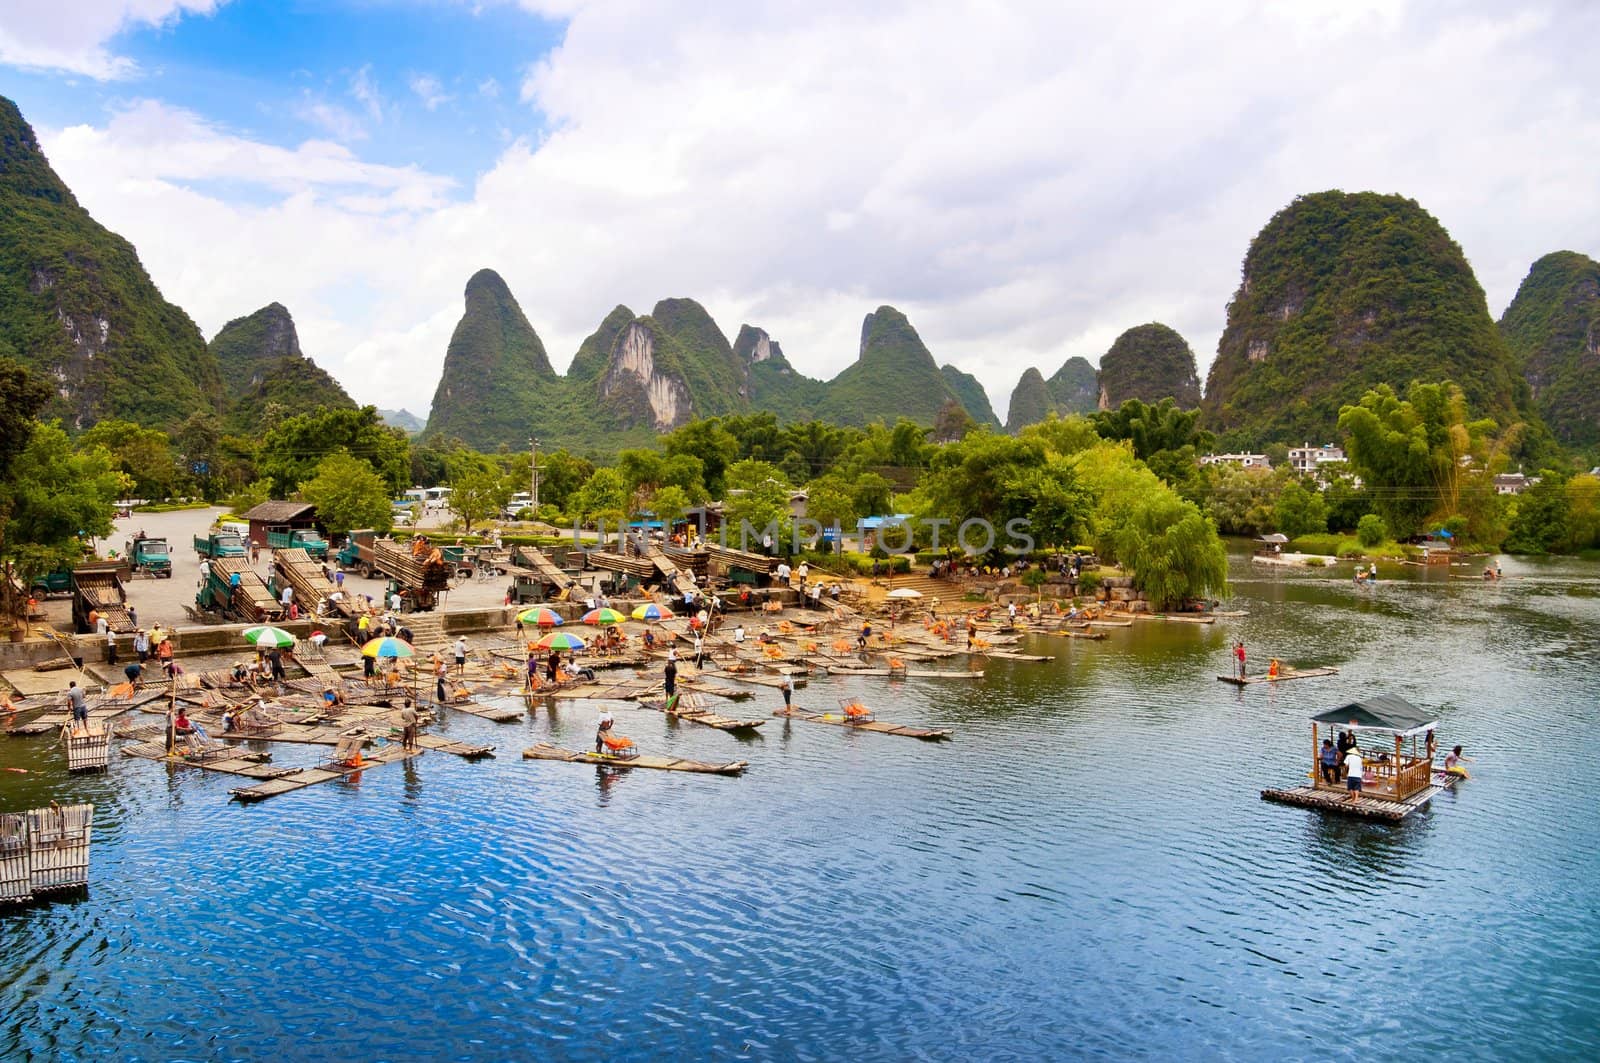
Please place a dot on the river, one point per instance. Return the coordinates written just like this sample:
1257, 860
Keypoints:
1085, 871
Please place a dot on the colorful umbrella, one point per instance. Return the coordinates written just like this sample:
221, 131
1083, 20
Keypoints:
904, 592
602, 617
262, 637
652, 612
541, 616
559, 640
388, 647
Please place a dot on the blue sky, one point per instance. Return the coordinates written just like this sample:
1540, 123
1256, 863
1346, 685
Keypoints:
357, 73
1025, 179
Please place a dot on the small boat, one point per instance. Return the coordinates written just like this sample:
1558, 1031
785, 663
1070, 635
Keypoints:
839, 719
546, 751
688, 707
1281, 677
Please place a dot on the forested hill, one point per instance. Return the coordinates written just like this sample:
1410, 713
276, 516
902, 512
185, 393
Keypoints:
1341, 291
635, 376
1553, 327
77, 307
268, 378
1149, 363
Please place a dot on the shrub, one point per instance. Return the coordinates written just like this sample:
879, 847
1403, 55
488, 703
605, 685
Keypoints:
1088, 582
1321, 543
1315, 562
1371, 530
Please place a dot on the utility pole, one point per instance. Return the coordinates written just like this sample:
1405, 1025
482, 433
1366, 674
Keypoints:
534, 473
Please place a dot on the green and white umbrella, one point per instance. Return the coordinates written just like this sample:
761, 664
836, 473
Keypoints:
266, 636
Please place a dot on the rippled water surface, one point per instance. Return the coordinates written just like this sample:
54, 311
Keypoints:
1085, 871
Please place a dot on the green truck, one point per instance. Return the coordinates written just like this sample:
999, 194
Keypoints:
57, 582
149, 555
219, 544
305, 539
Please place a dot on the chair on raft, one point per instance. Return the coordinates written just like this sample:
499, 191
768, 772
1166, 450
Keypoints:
854, 711
618, 747
346, 754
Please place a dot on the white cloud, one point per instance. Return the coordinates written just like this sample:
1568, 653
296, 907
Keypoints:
489, 88
429, 90
365, 90
1025, 181
50, 35
337, 121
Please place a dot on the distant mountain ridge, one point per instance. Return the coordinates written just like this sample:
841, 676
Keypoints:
639, 375
267, 376
1341, 292
1148, 362
1553, 328
78, 308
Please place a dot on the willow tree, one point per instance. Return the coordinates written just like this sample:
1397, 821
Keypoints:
1171, 549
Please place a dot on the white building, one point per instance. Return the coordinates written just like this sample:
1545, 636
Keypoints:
1309, 460
1248, 461
1513, 483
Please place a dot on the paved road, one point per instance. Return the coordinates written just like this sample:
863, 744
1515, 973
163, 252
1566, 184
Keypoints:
162, 600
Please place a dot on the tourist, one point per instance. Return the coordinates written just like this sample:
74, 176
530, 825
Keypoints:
1238, 655
408, 725
181, 724
738, 634
1355, 772
1452, 763
1347, 742
1329, 760
788, 691
671, 684
461, 655
1274, 669
79, 704
602, 728
649, 640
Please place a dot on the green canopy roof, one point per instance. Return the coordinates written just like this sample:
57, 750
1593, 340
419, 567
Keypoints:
1380, 711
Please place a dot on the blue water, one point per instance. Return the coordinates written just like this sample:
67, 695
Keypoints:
1086, 871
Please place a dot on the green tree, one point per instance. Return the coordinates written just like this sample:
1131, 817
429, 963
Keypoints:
144, 454
757, 493
1241, 501
57, 497
22, 395
715, 446
831, 500
292, 452
1539, 525
1410, 451
478, 489
250, 496
1167, 545
871, 494
348, 494
561, 474
604, 496
1063, 435
1300, 511
1371, 530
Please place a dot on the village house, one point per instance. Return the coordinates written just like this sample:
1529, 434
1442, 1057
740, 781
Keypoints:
1248, 461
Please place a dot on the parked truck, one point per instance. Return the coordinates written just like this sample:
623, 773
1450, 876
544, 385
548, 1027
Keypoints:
150, 555
305, 539
418, 569
219, 544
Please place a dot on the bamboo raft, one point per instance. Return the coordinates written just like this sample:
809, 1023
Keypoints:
877, 726
1364, 806
1078, 634
911, 673
688, 708
1292, 673
88, 748
546, 751
44, 850
1177, 618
